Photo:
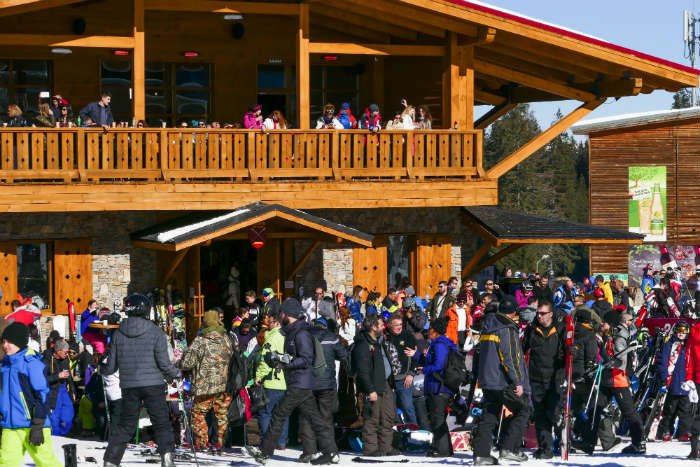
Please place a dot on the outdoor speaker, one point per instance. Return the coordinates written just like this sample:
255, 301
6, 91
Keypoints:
360, 68
79, 26
237, 30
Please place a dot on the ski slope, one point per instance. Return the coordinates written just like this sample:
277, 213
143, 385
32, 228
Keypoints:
657, 453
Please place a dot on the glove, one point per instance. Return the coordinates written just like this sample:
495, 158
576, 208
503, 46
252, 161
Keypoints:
663, 389
688, 385
693, 396
36, 432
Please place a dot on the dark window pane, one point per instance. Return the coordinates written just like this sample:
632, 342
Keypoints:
4, 100
337, 99
116, 73
398, 254
157, 74
27, 99
316, 107
33, 273
121, 102
192, 76
4, 72
157, 101
316, 77
271, 77
31, 72
344, 77
192, 102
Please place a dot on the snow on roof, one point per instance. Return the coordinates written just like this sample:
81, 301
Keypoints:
478, 5
593, 125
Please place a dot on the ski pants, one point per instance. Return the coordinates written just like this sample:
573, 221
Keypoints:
15, 442
625, 401
491, 416
218, 403
327, 401
676, 406
438, 424
304, 400
379, 417
546, 402
153, 397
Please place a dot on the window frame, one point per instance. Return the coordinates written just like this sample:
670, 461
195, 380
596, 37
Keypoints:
11, 86
51, 273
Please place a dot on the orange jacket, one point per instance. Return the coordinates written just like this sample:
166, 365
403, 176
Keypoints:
453, 322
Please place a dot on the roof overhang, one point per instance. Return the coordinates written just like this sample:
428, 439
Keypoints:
624, 121
202, 227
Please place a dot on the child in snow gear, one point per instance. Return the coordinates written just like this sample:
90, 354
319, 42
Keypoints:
671, 375
25, 422
504, 379
62, 389
139, 350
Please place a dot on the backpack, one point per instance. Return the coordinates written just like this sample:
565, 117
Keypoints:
455, 372
320, 365
237, 373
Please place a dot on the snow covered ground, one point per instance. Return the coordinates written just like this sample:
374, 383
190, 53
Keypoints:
658, 454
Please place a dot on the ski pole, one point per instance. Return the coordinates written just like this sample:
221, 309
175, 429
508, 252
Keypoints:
108, 430
593, 386
187, 423
500, 422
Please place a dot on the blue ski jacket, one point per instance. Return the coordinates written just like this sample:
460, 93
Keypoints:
24, 390
435, 361
678, 376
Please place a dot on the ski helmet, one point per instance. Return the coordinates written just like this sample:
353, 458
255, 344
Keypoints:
137, 305
681, 326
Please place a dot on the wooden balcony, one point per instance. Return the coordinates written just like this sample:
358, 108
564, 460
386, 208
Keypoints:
143, 169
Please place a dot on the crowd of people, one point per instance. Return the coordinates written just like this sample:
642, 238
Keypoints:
495, 360
57, 112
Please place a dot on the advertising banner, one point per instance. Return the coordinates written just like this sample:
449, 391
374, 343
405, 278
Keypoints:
647, 202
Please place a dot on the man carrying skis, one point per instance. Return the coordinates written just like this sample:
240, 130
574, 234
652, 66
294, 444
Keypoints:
544, 340
139, 350
670, 365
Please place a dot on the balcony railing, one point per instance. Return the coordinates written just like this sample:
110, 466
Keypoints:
182, 155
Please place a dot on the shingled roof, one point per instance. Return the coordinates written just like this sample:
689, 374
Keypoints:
515, 227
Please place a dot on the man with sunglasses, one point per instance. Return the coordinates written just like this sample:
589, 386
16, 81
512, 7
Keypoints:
441, 302
545, 340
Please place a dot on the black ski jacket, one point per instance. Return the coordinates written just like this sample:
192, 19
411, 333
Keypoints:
584, 350
547, 351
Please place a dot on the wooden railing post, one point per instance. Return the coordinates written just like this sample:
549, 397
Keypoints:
80, 149
164, 154
335, 154
479, 153
251, 156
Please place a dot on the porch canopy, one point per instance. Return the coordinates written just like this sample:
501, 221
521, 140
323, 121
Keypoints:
279, 221
499, 227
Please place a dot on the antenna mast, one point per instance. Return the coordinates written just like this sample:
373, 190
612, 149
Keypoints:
691, 41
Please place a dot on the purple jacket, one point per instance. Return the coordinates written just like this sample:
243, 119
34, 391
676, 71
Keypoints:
433, 362
85, 319
521, 297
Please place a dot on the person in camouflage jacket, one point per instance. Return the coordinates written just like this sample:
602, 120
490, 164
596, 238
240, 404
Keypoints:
208, 358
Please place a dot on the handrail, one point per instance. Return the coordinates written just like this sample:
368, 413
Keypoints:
71, 155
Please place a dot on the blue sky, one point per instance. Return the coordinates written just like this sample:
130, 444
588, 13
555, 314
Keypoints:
650, 26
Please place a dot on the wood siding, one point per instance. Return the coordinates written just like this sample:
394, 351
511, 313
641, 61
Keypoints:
674, 145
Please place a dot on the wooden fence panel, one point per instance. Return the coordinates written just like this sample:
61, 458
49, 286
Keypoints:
53, 152
67, 151
23, 151
107, 151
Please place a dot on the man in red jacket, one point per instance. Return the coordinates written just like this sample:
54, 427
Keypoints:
692, 374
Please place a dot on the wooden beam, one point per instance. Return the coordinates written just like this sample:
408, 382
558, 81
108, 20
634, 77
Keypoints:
479, 229
496, 256
376, 49
480, 253
573, 241
489, 98
322, 228
217, 6
303, 260
303, 66
276, 235
623, 87
459, 84
17, 7
369, 14
139, 62
44, 40
179, 256
542, 139
492, 115
362, 21
485, 36
536, 82
361, 33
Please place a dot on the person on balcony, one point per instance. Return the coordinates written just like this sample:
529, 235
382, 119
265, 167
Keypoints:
407, 118
371, 119
253, 118
275, 121
45, 119
99, 112
423, 119
65, 119
14, 114
328, 120
395, 123
346, 118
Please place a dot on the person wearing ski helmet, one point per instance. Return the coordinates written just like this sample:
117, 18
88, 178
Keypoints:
523, 293
139, 350
670, 365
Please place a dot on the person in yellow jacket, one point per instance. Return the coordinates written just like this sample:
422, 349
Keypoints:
605, 286
271, 379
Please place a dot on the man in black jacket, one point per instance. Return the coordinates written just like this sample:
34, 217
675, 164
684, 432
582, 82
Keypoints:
325, 390
399, 339
297, 361
440, 303
139, 350
99, 112
372, 366
545, 340
58, 376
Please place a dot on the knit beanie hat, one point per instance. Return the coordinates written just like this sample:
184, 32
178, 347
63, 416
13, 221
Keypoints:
439, 325
16, 333
292, 307
211, 318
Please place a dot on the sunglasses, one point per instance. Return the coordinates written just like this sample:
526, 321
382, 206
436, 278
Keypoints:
543, 313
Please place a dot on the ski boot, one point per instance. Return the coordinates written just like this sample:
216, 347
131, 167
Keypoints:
635, 449
488, 460
512, 456
325, 459
166, 460
694, 448
543, 454
109, 464
216, 449
306, 458
257, 454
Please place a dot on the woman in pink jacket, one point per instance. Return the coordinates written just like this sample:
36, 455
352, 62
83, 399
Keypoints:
253, 118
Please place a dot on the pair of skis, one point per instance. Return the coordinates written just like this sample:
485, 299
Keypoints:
566, 432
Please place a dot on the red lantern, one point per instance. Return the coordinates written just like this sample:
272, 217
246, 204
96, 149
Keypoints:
257, 236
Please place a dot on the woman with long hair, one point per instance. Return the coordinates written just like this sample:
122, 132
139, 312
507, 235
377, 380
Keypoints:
328, 121
424, 121
275, 121
45, 118
407, 118
347, 328
64, 118
15, 118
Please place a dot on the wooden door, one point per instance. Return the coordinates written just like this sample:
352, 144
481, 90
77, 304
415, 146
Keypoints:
370, 268
434, 262
8, 275
73, 274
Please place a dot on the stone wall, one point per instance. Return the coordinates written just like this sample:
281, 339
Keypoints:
118, 267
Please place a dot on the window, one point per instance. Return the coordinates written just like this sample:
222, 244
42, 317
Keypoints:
116, 78
398, 255
334, 85
276, 90
21, 81
33, 273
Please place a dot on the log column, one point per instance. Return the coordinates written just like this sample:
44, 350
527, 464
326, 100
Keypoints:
303, 69
139, 62
458, 85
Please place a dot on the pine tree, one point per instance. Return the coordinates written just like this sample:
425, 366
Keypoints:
553, 182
